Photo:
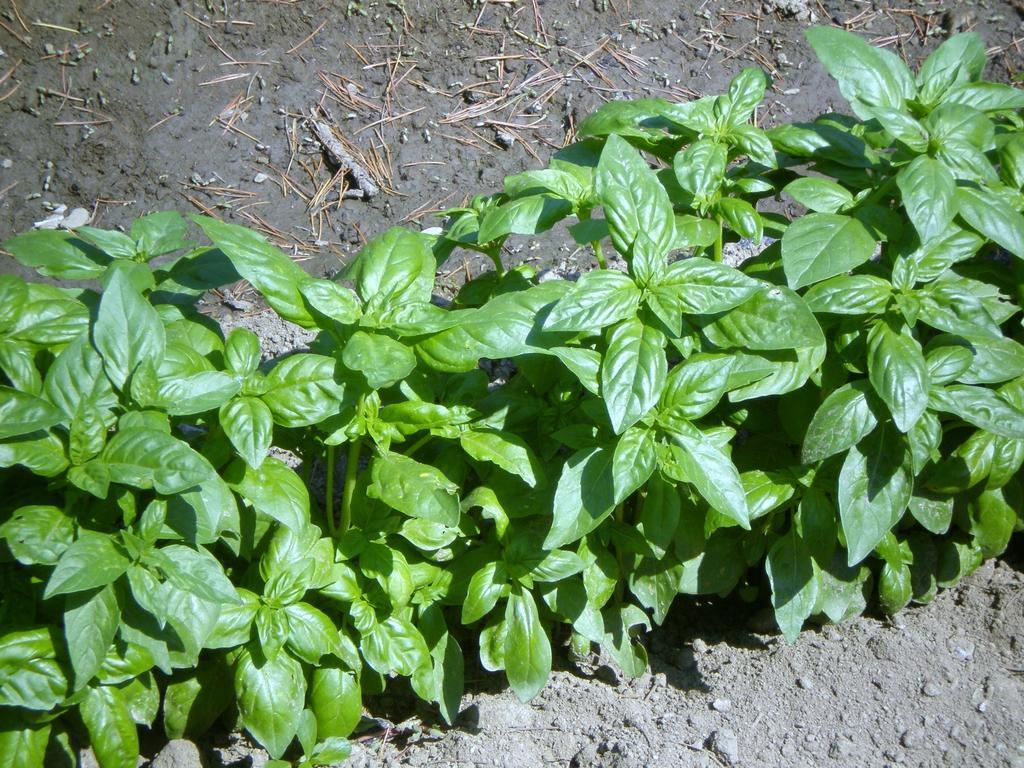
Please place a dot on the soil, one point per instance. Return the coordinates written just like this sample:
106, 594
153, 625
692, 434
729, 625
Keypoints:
127, 106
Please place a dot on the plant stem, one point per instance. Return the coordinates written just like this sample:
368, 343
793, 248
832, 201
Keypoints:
329, 501
351, 470
599, 253
620, 583
718, 239
419, 444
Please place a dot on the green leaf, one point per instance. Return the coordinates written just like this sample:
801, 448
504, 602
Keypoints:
270, 271
485, 587
336, 700
395, 646
875, 486
271, 696
527, 650
636, 207
90, 622
22, 413
415, 489
960, 58
57, 254
242, 351
995, 359
194, 699
523, 216
634, 462
311, 634
150, 458
394, 268
990, 215
695, 386
505, 327
22, 745
381, 359
993, 521
712, 473
700, 168
249, 425
902, 127
112, 732
273, 489
929, 196
844, 419
745, 92
503, 449
160, 233
584, 496
822, 245
76, 378
818, 194
303, 389
331, 300
598, 299
773, 318
741, 217
128, 330
50, 317
554, 180
986, 96
981, 407
92, 561
849, 295
898, 373
38, 535
790, 572
701, 287
870, 75
633, 372
195, 571
894, 587
30, 676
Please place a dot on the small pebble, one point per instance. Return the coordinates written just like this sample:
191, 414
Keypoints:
931, 690
78, 217
50, 222
725, 744
721, 705
804, 683
259, 178
6, 163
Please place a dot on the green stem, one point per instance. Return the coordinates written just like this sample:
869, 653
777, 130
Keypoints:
620, 583
419, 444
718, 239
880, 192
496, 259
351, 470
599, 253
329, 501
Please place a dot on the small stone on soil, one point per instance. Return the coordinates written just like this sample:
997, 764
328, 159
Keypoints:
721, 705
179, 753
931, 689
78, 217
725, 744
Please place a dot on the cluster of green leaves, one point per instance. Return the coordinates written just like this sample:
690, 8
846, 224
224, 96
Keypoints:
840, 414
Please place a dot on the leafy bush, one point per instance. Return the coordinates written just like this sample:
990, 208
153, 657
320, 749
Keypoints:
846, 408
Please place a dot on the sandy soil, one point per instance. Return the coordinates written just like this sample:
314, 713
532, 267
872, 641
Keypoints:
127, 106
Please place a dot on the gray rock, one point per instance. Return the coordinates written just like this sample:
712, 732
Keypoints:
721, 705
931, 689
725, 744
179, 753
78, 217
259, 178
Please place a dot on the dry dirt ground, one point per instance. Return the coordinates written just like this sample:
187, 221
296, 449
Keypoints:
127, 106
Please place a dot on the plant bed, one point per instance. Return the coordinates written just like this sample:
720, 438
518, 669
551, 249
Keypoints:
839, 418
